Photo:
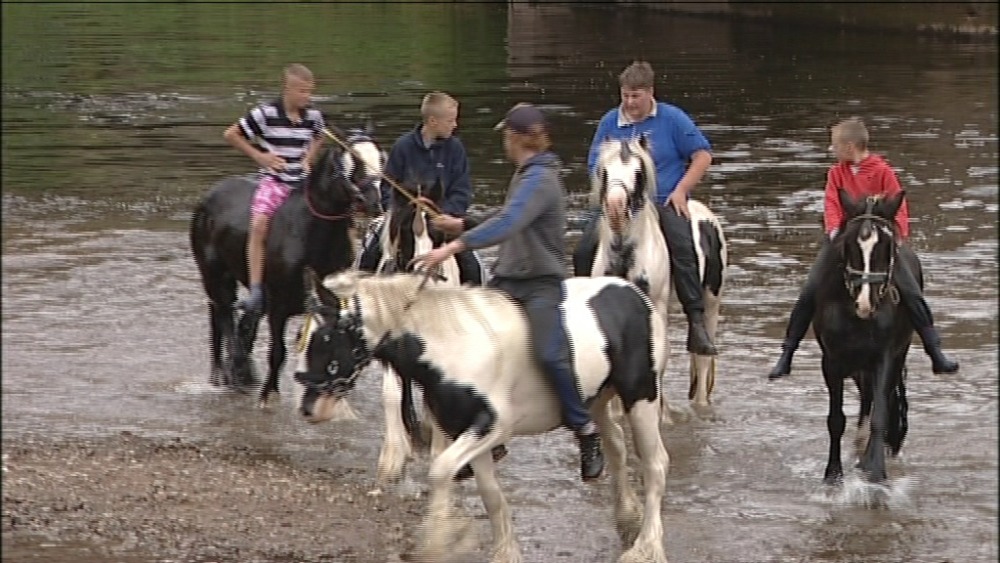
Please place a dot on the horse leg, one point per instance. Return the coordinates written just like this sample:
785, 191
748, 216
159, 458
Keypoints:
242, 350
628, 519
662, 309
443, 531
505, 546
276, 320
644, 420
221, 334
864, 417
396, 448
703, 367
873, 462
835, 421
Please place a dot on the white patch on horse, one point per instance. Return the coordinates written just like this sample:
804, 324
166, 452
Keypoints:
650, 265
864, 299
478, 338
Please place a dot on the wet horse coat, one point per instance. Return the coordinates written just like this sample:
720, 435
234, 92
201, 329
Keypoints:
312, 228
631, 243
864, 333
469, 350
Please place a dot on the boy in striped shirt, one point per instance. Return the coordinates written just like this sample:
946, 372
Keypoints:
282, 137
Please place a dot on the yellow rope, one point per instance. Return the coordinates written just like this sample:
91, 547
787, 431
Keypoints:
413, 199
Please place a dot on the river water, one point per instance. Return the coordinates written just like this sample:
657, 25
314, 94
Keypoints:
112, 129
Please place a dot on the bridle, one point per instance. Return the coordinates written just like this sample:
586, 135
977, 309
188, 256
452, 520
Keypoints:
854, 278
356, 188
348, 322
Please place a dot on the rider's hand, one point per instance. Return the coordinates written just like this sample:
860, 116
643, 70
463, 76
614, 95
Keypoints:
447, 224
271, 161
678, 199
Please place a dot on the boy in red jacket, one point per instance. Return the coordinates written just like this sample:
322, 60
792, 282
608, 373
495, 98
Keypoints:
861, 173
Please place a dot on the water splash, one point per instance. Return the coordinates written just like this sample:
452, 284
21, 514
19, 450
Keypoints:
856, 491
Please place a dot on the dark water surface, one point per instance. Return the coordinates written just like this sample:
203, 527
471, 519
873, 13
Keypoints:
112, 122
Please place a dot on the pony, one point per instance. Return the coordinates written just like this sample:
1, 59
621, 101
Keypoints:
631, 244
406, 233
469, 349
863, 332
312, 228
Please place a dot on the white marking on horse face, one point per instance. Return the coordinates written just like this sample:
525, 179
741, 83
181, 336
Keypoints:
863, 302
371, 156
620, 178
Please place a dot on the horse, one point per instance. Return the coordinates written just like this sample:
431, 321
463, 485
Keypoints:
312, 228
863, 332
631, 244
406, 233
469, 349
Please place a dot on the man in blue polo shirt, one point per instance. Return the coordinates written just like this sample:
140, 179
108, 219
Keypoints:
681, 154
426, 155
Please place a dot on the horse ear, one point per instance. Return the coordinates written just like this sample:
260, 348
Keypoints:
369, 127
847, 203
892, 204
644, 142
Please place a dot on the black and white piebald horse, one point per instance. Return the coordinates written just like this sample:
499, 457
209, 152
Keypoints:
469, 350
312, 228
406, 233
864, 333
631, 244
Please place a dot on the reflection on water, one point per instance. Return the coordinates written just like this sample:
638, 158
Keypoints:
108, 142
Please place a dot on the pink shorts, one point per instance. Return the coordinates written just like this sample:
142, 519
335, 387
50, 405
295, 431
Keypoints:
269, 196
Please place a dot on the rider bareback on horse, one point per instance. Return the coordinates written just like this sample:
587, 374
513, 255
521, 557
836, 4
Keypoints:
861, 174
282, 137
423, 157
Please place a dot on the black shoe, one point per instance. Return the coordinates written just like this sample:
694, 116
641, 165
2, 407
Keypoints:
255, 302
932, 346
591, 458
784, 365
939, 362
698, 341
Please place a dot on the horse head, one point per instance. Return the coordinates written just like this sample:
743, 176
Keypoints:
409, 230
332, 351
330, 191
364, 164
624, 180
868, 248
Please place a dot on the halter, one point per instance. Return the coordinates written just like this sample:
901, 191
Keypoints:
854, 278
351, 324
312, 209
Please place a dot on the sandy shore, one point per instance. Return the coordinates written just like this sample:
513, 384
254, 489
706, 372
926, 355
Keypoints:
135, 499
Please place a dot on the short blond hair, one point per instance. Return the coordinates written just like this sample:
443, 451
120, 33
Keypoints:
637, 76
299, 71
435, 103
851, 130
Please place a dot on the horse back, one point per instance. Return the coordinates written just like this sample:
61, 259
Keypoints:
616, 338
710, 246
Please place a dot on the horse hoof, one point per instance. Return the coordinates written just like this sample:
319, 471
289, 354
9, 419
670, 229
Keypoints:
833, 480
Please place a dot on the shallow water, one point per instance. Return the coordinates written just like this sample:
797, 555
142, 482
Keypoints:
112, 128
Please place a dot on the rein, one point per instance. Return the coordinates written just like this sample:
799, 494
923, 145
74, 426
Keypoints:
413, 199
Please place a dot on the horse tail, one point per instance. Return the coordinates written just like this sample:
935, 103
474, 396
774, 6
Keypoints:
409, 412
897, 425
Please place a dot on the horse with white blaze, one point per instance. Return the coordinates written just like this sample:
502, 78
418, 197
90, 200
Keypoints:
469, 349
631, 244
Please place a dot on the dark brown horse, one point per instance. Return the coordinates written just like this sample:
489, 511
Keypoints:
312, 228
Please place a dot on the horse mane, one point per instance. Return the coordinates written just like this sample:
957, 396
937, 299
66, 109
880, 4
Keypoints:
442, 311
611, 149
